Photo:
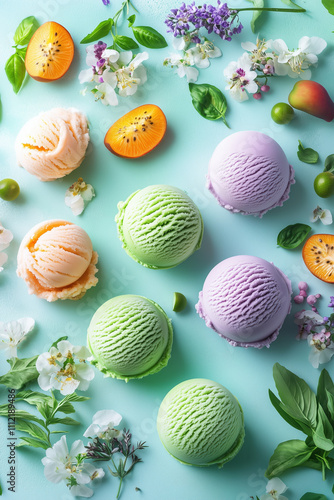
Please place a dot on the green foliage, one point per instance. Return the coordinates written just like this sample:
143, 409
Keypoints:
208, 101
292, 236
307, 155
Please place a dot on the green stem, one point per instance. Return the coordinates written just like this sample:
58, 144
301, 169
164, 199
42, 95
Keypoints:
121, 480
271, 9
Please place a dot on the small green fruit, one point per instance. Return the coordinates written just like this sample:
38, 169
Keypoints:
180, 302
324, 184
9, 189
282, 113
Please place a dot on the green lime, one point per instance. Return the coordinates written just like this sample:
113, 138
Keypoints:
9, 189
324, 184
180, 302
282, 113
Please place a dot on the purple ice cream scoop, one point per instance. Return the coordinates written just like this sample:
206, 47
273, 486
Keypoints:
249, 173
245, 300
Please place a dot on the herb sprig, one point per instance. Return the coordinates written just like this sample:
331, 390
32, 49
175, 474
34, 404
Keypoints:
307, 155
293, 235
15, 67
144, 35
208, 101
310, 413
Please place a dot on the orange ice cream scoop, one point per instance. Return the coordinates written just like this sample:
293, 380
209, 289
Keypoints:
57, 261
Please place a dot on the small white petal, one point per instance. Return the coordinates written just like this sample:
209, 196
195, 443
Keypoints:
88, 194
3, 259
305, 75
314, 45
179, 43
191, 74
141, 57
76, 203
124, 58
5, 238
44, 381
27, 324
77, 448
86, 75
249, 46
276, 484
111, 55
107, 417
81, 491
326, 217
65, 347
92, 430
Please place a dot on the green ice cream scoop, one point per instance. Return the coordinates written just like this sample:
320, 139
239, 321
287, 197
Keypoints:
160, 226
201, 423
130, 337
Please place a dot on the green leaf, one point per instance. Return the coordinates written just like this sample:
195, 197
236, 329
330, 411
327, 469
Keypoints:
313, 463
329, 164
256, 14
324, 392
58, 340
19, 414
33, 398
15, 70
21, 52
289, 3
32, 429
286, 456
21, 372
292, 236
125, 42
25, 30
296, 395
131, 20
208, 101
65, 421
35, 443
65, 405
307, 155
323, 434
313, 496
75, 398
149, 37
59, 432
282, 410
100, 31
329, 5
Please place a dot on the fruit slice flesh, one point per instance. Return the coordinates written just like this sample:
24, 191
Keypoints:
318, 255
50, 52
137, 132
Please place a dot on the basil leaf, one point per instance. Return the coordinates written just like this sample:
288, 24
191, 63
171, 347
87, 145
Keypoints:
208, 101
21, 372
131, 20
256, 14
19, 414
324, 392
35, 443
329, 5
307, 155
100, 31
32, 429
25, 30
125, 42
323, 434
65, 421
149, 37
313, 496
313, 463
75, 398
292, 236
58, 340
15, 71
282, 410
287, 455
329, 164
32, 397
296, 395
21, 52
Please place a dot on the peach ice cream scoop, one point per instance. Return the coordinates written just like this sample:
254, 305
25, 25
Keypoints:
57, 261
53, 144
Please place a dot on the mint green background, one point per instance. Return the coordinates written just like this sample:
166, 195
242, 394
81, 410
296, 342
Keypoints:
182, 160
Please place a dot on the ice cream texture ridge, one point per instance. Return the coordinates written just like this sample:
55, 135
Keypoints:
130, 337
53, 144
245, 299
57, 261
159, 226
201, 423
249, 173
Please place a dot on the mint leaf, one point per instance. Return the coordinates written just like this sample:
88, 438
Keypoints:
208, 101
287, 455
296, 395
307, 155
35, 443
329, 164
21, 372
58, 340
21, 52
313, 496
256, 14
329, 5
25, 30
100, 31
131, 20
33, 430
282, 410
15, 70
19, 414
32, 397
325, 393
65, 421
149, 37
125, 42
292, 236
323, 434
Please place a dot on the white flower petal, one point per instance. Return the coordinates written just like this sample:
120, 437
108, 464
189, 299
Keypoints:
107, 417
281, 69
140, 73
84, 372
92, 430
141, 57
238, 94
44, 381
68, 385
65, 347
27, 324
249, 46
90, 58
5, 238
81, 491
76, 203
81, 351
3, 259
305, 75
124, 58
110, 78
86, 75
314, 45
179, 43
111, 55
203, 63
88, 194
191, 74
252, 87
77, 448
326, 217
276, 484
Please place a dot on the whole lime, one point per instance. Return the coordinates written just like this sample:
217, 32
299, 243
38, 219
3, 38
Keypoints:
324, 184
282, 113
9, 189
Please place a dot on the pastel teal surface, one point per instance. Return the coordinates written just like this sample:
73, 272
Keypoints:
180, 160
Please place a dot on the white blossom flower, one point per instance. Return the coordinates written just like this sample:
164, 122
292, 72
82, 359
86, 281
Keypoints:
241, 78
322, 347
130, 74
106, 93
111, 55
324, 216
103, 426
62, 464
65, 368
201, 53
3, 260
183, 65
77, 194
296, 63
13, 332
274, 489
5, 237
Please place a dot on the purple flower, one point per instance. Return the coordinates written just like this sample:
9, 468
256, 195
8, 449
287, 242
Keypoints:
331, 304
106, 2
99, 48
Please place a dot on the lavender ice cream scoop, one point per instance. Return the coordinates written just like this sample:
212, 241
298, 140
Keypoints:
249, 173
245, 300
